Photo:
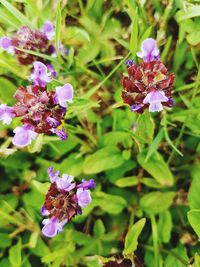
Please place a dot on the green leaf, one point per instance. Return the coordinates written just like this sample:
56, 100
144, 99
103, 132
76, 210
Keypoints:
99, 228
128, 181
165, 226
156, 202
104, 159
157, 167
7, 90
194, 219
193, 195
131, 240
18, 15
154, 145
15, 257
5, 240
177, 258
145, 127
134, 35
58, 27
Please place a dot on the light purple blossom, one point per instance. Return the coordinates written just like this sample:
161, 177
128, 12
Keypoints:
155, 99
23, 135
63, 51
53, 122
52, 227
6, 114
149, 50
84, 197
136, 107
48, 30
90, 184
60, 133
44, 211
6, 44
53, 175
64, 94
40, 74
65, 183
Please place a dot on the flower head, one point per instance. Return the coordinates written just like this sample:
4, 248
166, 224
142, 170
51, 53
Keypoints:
6, 114
148, 85
64, 200
23, 136
64, 94
40, 74
48, 30
149, 50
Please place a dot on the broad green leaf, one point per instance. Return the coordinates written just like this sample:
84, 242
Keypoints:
156, 202
145, 127
193, 195
99, 228
128, 181
178, 258
5, 240
165, 226
7, 90
131, 240
15, 257
104, 159
157, 167
194, 218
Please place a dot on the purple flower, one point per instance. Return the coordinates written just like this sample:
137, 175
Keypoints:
129, 62
52, 174
23, 135
64, 94
149, 50
136, 107
60, 133
65, 183
6, 114
48, 30
40, 74
52, 227
6, 44
155, 99
87, 184
52, 122
63, 51
51, 68
84, 197
44, 211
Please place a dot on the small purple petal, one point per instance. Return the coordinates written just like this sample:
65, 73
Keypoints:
130, 62
53, 175
51, 68
48, 30
23, 135
87, 184
170, 102
40, 75
84, 197
52, 122
64, 94
44, 211
60, 133
52, 227
136, 107
63, 51
6, 114
149, 50
6, 44
65, 183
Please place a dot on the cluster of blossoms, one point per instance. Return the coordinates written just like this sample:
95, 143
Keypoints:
41, 111
34, 40
149, 84
64, 200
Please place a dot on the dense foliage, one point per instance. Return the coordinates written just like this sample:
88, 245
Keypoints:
145, 206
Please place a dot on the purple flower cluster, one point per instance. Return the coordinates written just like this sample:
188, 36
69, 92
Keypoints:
149, 85
35, 40
40, 110
64, 200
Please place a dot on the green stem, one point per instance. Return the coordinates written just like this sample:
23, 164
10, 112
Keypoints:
155, 239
